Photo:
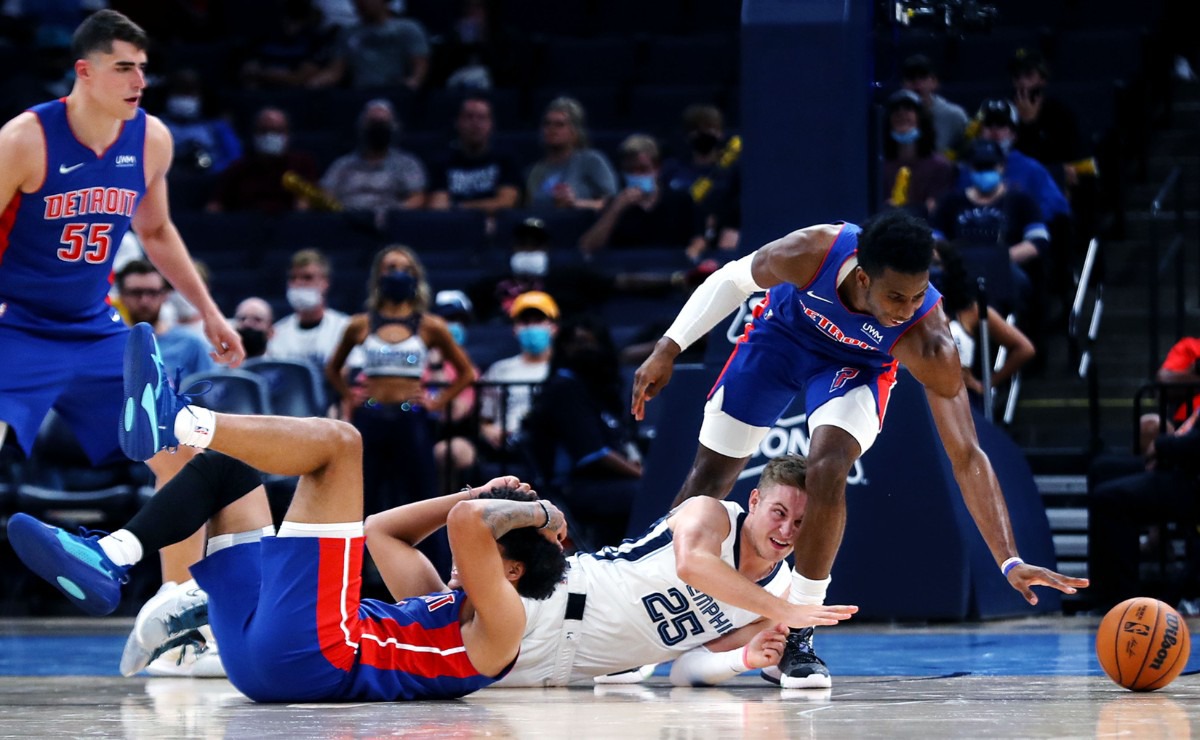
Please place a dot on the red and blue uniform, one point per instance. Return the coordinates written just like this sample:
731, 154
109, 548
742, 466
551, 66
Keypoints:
804, 338
61, 341
303, 633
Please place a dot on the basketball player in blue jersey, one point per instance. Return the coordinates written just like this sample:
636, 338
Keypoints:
287, 608
78, 172
844, 307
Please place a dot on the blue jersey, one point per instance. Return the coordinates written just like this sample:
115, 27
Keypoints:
57, 244
813, 316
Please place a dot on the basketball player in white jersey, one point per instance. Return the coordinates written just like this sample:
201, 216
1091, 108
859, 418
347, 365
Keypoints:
698, 587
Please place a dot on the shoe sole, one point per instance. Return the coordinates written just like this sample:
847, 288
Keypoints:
812, 681
138, 427
30, 540
137, 655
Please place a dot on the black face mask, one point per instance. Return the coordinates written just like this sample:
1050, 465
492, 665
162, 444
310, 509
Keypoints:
377, 136
254, 341
703, 142
397, 287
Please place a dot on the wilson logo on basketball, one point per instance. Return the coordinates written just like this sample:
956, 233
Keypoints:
1170, 637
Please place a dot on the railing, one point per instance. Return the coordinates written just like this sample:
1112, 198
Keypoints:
1166, 258
1083, 340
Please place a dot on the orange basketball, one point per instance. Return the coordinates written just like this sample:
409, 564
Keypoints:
1143, 644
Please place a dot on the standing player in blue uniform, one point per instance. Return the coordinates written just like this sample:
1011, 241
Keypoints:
286, 608
844, 307
78, 172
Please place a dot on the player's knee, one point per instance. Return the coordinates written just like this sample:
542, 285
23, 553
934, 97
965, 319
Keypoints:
826, 478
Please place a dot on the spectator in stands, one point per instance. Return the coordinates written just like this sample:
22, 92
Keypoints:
503, 407
998, 122
378, 176
291, 53
473, 175
313, 332
203, 143
1182, 368
255, 182
1047, 129
142, 292
643, 214
960, 301
988, 213
580, 434
454, 450
569, 175
396, 334
379, 51
1166, 491
915, 176
949, 120
577, 288
711, 175
253, 319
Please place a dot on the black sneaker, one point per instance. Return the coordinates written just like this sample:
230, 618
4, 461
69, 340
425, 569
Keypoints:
799, 668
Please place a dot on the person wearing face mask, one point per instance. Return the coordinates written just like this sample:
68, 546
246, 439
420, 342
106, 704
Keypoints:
253, 318
202, 143
455, 448
987, 213
395, 336
642, 214
378, 176
914, 176
255, 181
311, 333
917, 74
580, 435
503, 406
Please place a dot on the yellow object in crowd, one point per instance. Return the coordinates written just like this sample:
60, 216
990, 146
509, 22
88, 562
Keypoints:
317, 198
900, 187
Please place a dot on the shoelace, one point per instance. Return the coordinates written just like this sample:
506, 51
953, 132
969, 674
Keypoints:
191, 394
94, 536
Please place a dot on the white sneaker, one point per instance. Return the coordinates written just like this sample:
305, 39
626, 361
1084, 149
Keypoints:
633, 675
196, 657
170, 621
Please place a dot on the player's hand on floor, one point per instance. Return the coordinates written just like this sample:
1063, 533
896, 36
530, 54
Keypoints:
818, 615
1025, 576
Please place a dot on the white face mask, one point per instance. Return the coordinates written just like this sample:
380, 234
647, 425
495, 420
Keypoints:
536, 263
185, 107
271, 144
304, 299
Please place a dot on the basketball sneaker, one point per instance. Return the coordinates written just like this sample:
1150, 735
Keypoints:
799, 668
151, 400
195, 657
74, 564
166, 622
633, 675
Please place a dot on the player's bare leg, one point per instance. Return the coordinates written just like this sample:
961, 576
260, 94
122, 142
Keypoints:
712, 474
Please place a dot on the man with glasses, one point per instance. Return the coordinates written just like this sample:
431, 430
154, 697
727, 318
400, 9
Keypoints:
143, 291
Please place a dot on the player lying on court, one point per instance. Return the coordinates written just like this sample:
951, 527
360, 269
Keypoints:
286, 608
705, 586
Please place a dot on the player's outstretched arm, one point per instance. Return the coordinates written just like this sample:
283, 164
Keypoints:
931, 357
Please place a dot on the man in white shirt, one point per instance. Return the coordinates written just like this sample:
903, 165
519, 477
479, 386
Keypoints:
314, 330
535, 320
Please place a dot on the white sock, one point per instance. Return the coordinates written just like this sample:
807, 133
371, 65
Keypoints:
808, 591
194, 426
122, 547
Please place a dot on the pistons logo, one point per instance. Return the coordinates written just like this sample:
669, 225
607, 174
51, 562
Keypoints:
839, 380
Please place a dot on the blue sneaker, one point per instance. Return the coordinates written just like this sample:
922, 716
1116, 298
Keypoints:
151, 400
74, 564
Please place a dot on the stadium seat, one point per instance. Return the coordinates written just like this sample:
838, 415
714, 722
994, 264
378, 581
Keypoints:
583, 62
240, 231
433, 230
694, 60
295, 388
332, 233
627, 17
231, 391
565, 226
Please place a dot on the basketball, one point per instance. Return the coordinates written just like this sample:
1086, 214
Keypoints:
1142, 644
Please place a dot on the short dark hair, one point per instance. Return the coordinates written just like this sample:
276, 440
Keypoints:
544, 562
897, 240
101, 29
137, 267
917, 67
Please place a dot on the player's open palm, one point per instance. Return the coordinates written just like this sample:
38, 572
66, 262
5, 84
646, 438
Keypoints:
818, 615
1025, 576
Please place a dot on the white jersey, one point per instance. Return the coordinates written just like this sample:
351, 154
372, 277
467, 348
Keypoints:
626, 606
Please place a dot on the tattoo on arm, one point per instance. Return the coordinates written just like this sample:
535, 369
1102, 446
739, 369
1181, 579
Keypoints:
504, 516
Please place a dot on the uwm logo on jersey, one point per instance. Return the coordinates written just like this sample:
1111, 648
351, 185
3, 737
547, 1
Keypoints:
88, 242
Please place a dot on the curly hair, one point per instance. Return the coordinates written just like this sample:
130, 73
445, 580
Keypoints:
897, 240
544, 562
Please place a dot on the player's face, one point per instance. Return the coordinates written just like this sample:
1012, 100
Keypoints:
116, 80
893, 297
775, 515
